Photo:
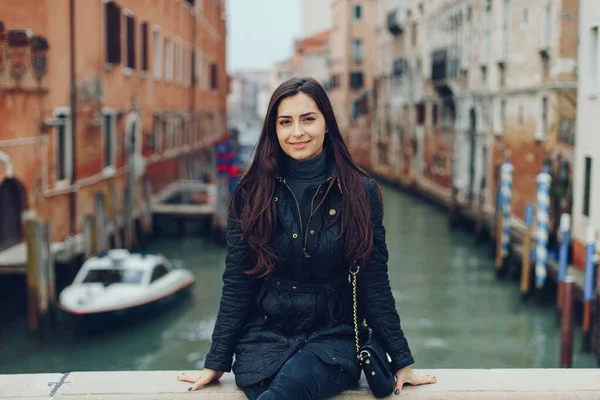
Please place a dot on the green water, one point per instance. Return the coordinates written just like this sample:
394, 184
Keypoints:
454, 311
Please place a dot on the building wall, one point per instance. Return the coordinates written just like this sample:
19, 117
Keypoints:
316, 16
347, 28
316, 65
104, 89
587, 139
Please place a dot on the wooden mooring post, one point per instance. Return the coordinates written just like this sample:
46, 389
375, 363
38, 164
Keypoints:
148, 217
112, 211
128, 221
90, 236
40, 278
101, 223
526, 256
566, 329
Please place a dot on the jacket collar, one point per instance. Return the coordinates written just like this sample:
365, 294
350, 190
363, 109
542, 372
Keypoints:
331, 172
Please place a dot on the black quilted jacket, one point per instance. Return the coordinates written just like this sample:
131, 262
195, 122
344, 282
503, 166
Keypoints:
306, 303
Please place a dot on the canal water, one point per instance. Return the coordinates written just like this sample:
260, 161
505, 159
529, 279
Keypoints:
454, 311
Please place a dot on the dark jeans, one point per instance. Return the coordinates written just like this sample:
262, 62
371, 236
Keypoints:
303, 377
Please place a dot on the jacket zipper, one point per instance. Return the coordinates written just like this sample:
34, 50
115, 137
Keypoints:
297, 205
312, 204
300, 215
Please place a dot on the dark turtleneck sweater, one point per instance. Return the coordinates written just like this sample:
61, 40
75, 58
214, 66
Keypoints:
301, 175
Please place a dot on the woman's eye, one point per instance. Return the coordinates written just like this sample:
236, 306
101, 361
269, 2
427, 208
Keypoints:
284, 122
309, 119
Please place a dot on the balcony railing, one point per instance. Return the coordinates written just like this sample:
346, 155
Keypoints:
395, 22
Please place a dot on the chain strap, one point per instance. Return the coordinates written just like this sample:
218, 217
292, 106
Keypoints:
355, 310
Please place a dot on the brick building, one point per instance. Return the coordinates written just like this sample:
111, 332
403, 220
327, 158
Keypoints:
149, 87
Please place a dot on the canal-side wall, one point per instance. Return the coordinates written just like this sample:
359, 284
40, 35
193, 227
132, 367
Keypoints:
463, 384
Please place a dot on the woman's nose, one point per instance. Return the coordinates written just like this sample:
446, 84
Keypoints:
298, 131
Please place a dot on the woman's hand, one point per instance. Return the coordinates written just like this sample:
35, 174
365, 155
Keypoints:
407, 375
200, 378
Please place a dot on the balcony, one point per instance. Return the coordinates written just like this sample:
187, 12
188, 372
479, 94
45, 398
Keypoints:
395, 22
23, 60
444, 65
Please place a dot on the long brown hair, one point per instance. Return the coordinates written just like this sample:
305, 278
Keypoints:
252, 202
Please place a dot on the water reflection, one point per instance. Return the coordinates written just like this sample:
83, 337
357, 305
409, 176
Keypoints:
454, 311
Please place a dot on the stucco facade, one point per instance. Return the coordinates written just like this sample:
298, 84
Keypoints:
152, 71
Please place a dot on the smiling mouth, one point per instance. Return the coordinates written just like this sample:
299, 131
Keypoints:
300, 145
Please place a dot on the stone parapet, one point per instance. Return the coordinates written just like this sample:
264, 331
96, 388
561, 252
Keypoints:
459, 384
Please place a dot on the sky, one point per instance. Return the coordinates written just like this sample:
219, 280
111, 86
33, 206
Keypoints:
261, 32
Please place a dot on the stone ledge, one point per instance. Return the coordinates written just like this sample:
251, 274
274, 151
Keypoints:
459, 384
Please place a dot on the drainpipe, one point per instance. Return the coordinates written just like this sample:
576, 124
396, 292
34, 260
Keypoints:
73, 193
9, 167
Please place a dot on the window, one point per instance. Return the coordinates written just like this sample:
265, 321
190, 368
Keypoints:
112, 28
520, 116
156, 54
111, 276
178, 64
499, 114
167, 132
587, 186
63, 145
547, 25
505, 29
357, 50
357, 12
356, 80
543, 120
109, 143
484, 46
130, 35
159, 271
420, 113
213, 76
593, 65
413, 34
197, 64
525, 18
434, 115
176, 139
168, 59
144, 45
502, 114
186, 65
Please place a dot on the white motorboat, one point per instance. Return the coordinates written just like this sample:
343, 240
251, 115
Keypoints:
121, 285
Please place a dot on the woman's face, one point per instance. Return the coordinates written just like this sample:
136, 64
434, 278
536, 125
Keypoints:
300, 127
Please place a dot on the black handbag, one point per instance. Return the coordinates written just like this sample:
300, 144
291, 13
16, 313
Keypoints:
374, 361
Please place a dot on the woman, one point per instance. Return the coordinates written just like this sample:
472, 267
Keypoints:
302, 214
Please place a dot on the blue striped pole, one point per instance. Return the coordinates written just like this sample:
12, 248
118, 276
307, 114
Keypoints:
543, 222
588, 286
563, 252
590, 254
506, 188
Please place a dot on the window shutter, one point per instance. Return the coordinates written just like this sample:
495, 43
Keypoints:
113, 33
213, 76
130, 41
144, 46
